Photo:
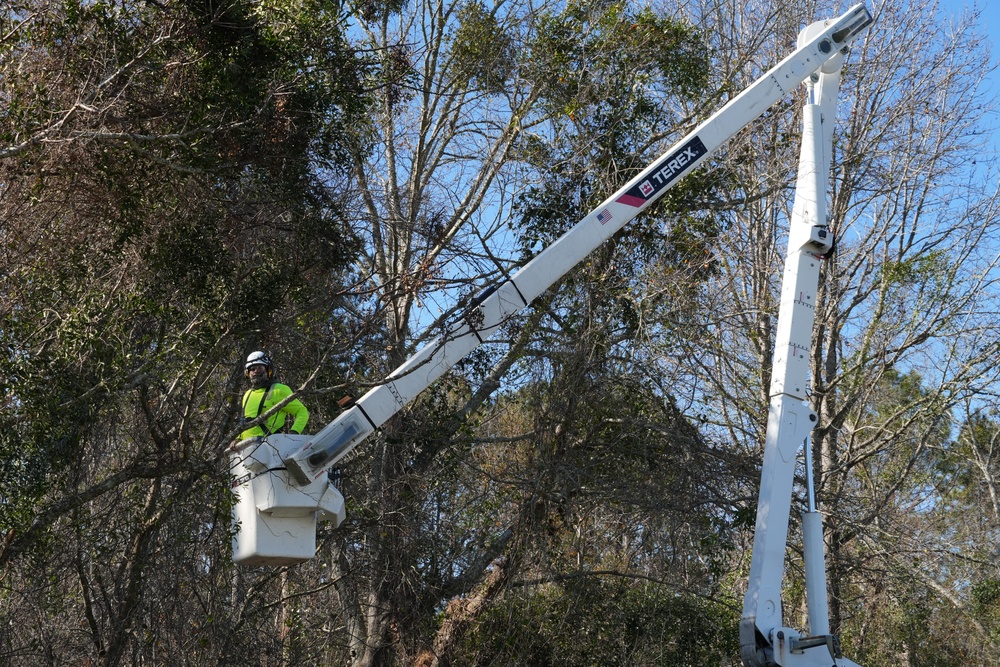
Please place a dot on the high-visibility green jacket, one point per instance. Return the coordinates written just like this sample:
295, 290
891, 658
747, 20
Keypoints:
258, 401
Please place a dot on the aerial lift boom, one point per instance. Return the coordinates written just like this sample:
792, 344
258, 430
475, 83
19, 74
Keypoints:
281, 483
494, 306
763, 639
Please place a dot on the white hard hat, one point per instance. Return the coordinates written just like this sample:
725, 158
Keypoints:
257, 358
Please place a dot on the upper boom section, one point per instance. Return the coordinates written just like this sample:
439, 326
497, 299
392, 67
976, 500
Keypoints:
485, 316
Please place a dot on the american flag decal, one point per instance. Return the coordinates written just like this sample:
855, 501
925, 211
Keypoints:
604, 216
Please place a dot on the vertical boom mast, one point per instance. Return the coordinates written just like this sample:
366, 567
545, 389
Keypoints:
764, 641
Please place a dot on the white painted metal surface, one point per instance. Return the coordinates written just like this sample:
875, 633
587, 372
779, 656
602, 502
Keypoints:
275, 519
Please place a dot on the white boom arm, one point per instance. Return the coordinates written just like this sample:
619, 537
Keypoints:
491, 309
763, 639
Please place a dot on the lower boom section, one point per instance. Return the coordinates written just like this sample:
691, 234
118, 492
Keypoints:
764, 641
787, 648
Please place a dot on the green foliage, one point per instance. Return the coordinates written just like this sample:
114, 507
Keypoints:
609, 75
956, 465
593, 621
61, 370
596, 54
913, 627
483, 52
918, 270
396, 74
986, 606
178, 214
375, 10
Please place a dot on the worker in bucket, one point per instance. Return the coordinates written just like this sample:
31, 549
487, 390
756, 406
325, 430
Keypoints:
264, 393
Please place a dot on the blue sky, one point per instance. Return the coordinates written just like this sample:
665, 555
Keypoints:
990, 18
989, 23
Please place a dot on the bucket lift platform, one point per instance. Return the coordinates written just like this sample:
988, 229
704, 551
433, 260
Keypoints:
274, 518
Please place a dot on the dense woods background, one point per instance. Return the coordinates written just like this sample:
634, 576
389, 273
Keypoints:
184, 181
